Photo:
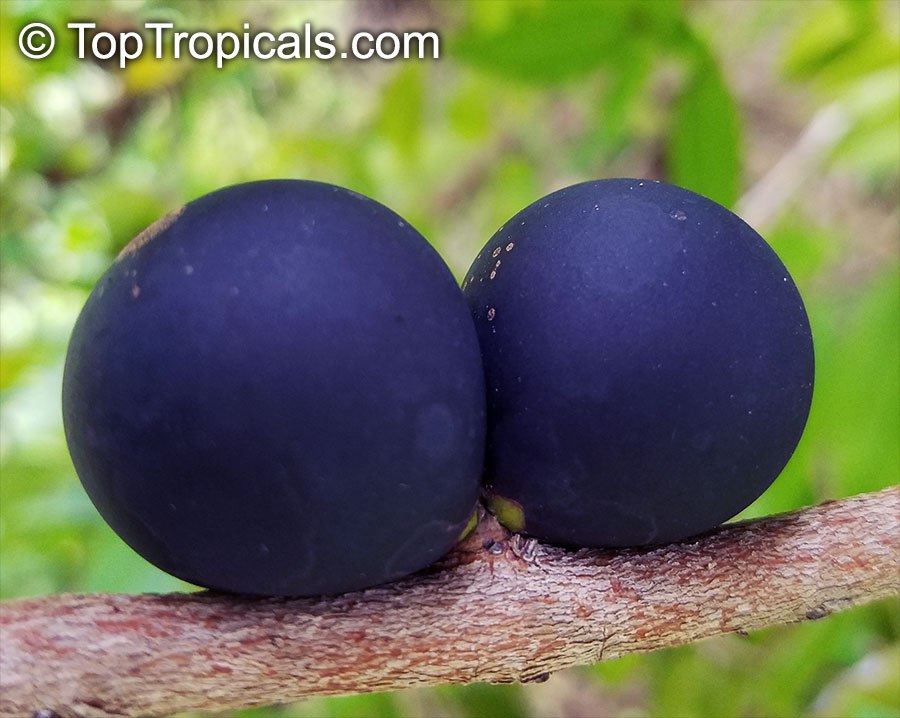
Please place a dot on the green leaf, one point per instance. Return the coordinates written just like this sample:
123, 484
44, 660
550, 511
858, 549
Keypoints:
402, 110
479, 700
114, 566
553, 42
857, 393
703, 152
825, 35
868, 689
873, 106
619, 117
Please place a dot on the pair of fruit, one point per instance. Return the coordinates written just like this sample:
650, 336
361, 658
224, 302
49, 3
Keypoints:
280, 389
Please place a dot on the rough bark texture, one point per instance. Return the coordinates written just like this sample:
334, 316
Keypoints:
499, 608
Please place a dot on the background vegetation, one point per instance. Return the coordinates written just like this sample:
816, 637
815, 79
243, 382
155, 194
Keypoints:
789, 111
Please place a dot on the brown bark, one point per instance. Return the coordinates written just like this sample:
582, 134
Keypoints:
498, 608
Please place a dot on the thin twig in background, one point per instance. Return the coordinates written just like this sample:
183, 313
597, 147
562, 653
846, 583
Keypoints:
763, 202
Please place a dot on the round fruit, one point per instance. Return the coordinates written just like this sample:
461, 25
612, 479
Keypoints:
648, 359
278, 390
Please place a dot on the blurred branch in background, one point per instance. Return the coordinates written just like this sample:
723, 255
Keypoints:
779, 186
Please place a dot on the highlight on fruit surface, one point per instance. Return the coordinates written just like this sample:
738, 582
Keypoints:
648, 360
277, 389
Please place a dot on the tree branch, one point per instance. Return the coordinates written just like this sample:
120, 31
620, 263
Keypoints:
765, 201
498, 608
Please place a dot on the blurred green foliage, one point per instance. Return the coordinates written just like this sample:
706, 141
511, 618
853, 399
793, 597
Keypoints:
527, 97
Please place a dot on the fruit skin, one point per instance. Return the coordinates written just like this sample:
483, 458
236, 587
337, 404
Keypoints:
648, 359
279, 390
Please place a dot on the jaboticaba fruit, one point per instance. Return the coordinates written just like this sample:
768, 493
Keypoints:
278, 390
648, 360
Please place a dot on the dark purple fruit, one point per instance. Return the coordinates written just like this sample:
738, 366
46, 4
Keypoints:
648, 359
278, 390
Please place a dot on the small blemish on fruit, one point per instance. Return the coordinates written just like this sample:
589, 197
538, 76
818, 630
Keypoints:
188, 269
491, 313
142, 238
678, 214
265, 208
